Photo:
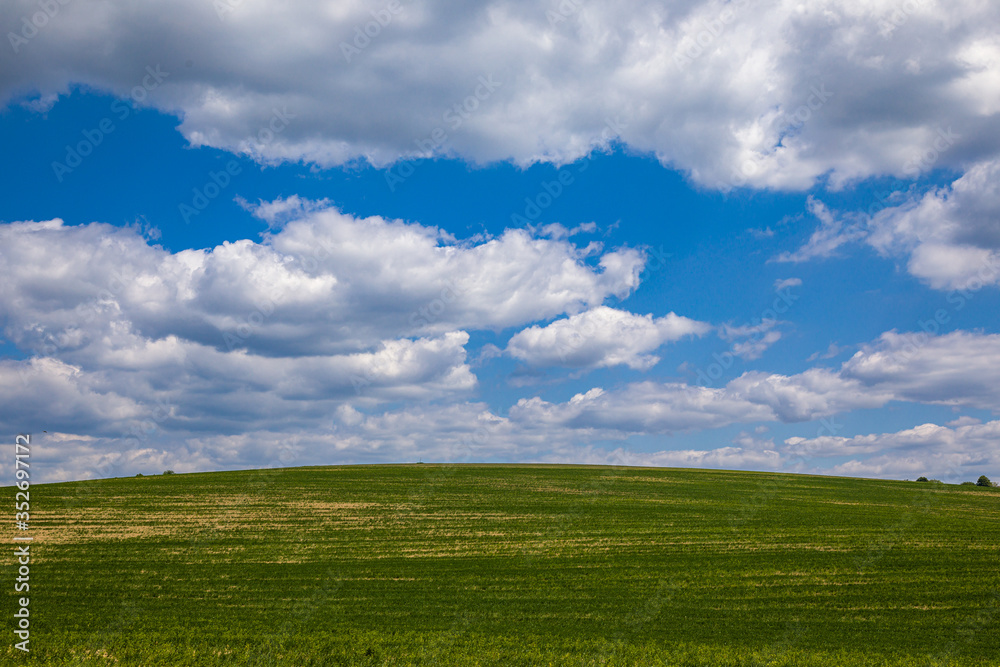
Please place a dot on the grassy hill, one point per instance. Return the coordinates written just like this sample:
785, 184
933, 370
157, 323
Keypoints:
511, 565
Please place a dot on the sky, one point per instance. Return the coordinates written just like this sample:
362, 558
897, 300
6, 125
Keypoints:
744, 235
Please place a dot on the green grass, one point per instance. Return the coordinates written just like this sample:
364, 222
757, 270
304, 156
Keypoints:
511, 565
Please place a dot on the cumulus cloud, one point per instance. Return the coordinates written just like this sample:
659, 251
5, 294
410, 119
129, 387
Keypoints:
948, 236
769, 94
602, 337
327, 283
951, 235
644, 407
305, 414
306, 342
128, 337
51, 392
812, 394
949, 454
652, 407
956, 369
961, 368
448, 433
727, 458
186, 387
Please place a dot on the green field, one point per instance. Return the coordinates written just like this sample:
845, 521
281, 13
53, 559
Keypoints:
510, 565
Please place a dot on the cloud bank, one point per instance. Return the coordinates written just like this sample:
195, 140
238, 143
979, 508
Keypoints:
770, 94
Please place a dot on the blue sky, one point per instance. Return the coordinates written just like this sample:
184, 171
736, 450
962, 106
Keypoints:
301, 260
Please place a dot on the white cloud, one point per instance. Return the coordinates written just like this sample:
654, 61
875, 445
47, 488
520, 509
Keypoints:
47, 391
951, 236
753, 349
187, 387
750, 341
555, 230
810, 395
786, 283
645, 407
771, 94
130, 350
447, 433
602, 337
301, 412
324, 284
964, 420
265, 336
727, 458
834, 231
961, 368
949, 454
651, 407
220, 357
280, 211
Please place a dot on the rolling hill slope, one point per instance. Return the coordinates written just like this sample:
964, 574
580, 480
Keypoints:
511, 565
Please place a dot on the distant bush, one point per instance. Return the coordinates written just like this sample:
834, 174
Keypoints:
168, 472
139, 475
984, 481
922, 479
968, 483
